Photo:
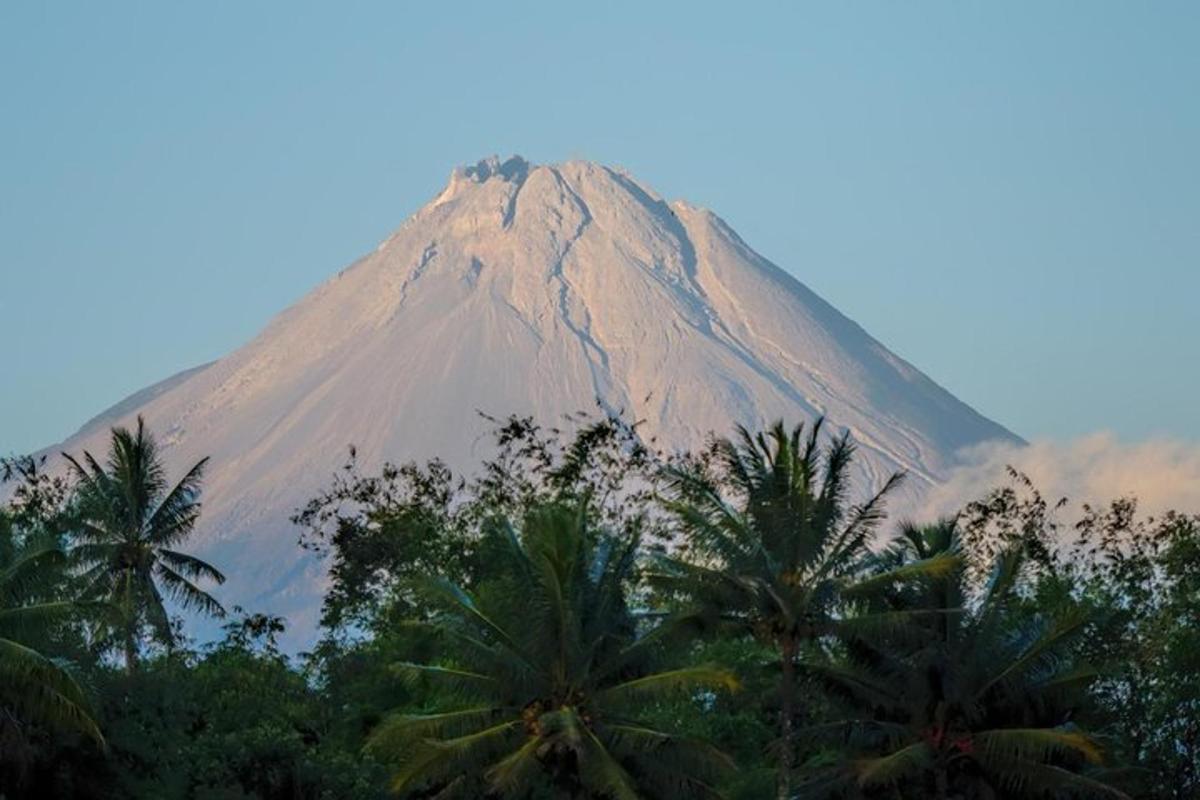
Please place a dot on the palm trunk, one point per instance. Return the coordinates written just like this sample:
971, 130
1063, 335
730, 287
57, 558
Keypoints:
131, 649
787, 703
131, 642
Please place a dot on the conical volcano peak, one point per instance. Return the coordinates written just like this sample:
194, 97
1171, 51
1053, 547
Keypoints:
522, 207
513, 169
516, 170
488, 174
535, 290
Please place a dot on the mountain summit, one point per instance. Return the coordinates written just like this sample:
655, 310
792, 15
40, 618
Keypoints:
533, 290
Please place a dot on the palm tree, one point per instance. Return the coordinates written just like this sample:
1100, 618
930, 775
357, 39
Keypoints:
130, 522
984, 707
774, 557
550, 679
33, 687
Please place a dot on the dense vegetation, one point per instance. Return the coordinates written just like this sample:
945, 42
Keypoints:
585, 618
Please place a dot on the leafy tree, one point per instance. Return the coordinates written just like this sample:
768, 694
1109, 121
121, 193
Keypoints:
259, 729
130, 521
773, 541
546, 678
543, 663
742, 724
235, 719
987, 705
381, 530
1143, 573
40, 501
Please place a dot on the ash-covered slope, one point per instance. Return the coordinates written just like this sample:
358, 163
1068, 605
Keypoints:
533, 290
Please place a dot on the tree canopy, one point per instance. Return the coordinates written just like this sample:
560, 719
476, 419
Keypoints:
585, 617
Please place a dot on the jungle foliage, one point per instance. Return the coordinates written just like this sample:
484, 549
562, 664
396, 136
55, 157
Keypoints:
587, 617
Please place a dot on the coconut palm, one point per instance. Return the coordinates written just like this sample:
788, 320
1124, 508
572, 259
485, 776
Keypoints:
984, 707
774, 547
131, 521
550, 679
33, 687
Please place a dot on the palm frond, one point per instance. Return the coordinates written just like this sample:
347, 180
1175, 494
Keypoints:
177, 512
186, 593
708, 677
1038, 744
936, 567
190, 567
43, 691
890, 769
1049, 780
440, 589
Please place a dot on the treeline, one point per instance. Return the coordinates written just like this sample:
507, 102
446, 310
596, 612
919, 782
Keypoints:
586, 618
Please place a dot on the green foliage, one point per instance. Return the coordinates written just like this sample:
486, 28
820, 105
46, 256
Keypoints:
35, 688
1142, 575
772, 542
259, 726
380, 531
984, 702
588, 648
545, 677
129, 520
741, 724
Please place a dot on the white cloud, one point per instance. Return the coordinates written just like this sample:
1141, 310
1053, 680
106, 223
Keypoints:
1095, 469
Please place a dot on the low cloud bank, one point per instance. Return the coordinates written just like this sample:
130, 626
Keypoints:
1093, 469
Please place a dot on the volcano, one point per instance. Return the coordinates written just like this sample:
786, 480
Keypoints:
535, 290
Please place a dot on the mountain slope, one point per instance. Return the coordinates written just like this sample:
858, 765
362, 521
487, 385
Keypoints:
533, 290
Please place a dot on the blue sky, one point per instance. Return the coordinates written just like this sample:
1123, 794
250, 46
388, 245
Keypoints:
1008, 195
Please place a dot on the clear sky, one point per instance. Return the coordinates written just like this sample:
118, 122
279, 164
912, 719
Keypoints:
1006, 194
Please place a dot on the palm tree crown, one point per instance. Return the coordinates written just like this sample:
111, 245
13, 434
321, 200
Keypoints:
979, 707
131, 521
772, 556
549, 677
776, 547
